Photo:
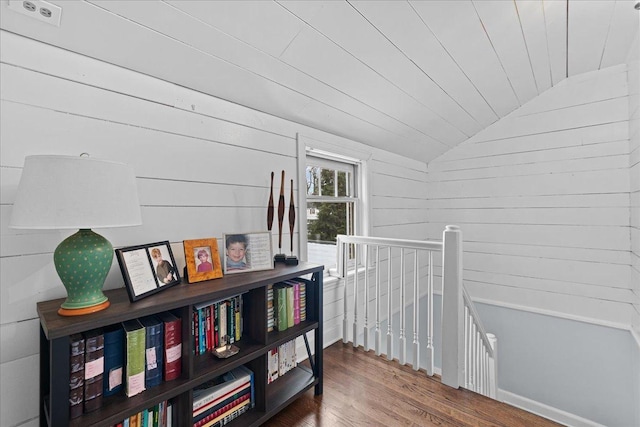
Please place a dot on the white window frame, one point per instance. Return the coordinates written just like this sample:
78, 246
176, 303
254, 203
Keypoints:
359, 161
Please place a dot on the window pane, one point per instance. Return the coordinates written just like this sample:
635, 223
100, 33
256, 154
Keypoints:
313, 185
325, 221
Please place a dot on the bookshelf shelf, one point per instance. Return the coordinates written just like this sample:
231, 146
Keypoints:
55, 332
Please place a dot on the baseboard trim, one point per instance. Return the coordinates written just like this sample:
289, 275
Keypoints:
545, 411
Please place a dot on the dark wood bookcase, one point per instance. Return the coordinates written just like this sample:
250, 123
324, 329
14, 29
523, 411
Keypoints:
196, 369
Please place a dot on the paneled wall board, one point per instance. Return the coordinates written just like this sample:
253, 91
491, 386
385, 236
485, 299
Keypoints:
496, 148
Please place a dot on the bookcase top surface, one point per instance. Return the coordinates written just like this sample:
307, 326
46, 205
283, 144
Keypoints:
121, 309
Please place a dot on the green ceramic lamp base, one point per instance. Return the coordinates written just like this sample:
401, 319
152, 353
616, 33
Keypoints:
83, 261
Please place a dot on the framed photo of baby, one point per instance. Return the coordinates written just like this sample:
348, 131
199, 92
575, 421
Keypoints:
203, 260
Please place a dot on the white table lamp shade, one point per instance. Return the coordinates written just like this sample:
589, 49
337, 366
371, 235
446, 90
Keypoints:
64, 192
67, 192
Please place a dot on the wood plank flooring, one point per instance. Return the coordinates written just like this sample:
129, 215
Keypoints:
361, 389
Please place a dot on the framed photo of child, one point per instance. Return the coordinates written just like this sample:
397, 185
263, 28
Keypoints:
247, 252
203, 260
147, 269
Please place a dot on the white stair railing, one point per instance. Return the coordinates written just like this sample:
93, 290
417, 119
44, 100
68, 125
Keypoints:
469, 357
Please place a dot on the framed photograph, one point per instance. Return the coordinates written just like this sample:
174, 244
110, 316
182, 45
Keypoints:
147, 269
247, 252
203, 260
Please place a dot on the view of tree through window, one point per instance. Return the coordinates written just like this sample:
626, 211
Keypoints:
330, 207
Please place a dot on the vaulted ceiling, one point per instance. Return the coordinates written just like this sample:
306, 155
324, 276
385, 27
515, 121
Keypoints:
411, 77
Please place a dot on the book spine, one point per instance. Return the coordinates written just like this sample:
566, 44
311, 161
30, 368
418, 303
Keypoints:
113, 360
281, 308
172, 346
238, 314
194, 332
93, 369
270, 317
303, 301
135, 359
223, 323
296, 303
231, 304
216, 325
76, 377
290, 302
154, 344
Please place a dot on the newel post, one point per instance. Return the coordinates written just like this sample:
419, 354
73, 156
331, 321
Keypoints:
452, 308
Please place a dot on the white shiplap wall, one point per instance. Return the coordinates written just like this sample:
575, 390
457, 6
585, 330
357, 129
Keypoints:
202, 164
542, 197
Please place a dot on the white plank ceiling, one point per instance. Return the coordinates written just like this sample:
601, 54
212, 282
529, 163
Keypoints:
412, 77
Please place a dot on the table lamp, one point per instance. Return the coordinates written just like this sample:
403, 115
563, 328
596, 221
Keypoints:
67, 192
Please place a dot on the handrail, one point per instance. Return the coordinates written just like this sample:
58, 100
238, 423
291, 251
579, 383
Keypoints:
483, 334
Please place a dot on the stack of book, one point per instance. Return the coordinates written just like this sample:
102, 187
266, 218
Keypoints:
290, 304
221, 400
281, 360
160, 415
216, 323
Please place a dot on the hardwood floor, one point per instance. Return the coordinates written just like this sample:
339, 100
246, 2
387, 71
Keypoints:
361, 389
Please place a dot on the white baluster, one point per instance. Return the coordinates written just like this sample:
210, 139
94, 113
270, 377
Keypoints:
430, 360
355, 299
493, 367
342, 256
416, 314
365, 342
378, 333
402, 342
467, 347
389, 314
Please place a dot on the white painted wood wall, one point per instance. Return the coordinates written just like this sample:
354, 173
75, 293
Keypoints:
202, 164
543, 198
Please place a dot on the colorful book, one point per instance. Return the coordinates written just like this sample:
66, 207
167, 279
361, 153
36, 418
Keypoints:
303, 301
154, 348
238, 316
272, 365
222, 323
135, 357
290, 306
76, 375
280, 309
93, 369
270, 323
172, 345
113, 360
